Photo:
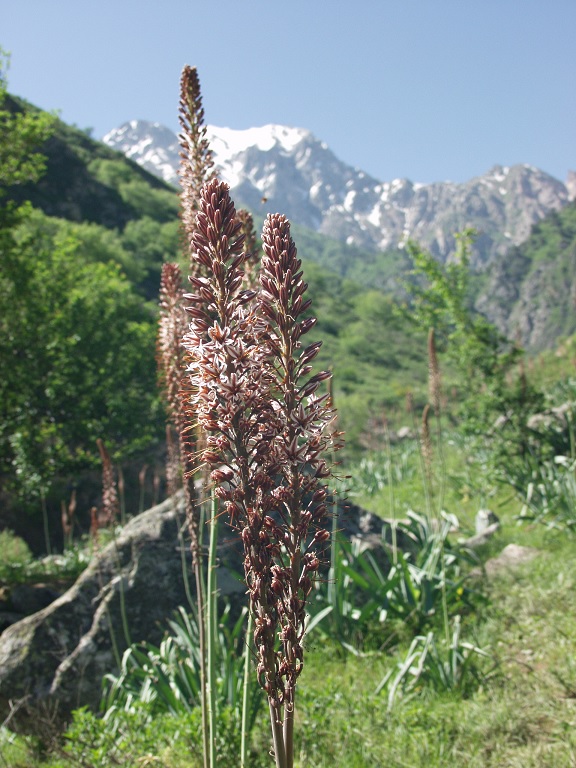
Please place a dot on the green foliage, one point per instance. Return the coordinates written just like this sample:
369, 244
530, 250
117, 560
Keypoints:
486, 363
21, 133
134, 739
159, 204
376, 357
77, 351
73, 186
440, 299
15, 552
409, 586
551, 493
66, 567
442, 666
380, 470
167, 678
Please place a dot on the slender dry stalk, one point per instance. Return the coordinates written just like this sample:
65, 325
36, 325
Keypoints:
434, 379
266, 433
67, 514
122, 495
426, 450
110, 501
142, 484
172, 365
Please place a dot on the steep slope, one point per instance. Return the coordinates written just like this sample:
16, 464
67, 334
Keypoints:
531, 295
87, 181
287, 169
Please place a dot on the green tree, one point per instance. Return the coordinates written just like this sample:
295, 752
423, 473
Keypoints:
485, 361
76, 341
77, 349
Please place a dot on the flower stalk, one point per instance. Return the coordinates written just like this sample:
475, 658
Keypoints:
266, 432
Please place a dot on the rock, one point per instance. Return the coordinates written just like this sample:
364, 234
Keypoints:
55, 659
511, 556
7, 618
485, 518
558, 419
481, 538
31, 598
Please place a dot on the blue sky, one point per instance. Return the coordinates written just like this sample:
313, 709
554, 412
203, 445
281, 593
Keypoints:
424, 89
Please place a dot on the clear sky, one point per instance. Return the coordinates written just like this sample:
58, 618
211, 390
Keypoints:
429, 90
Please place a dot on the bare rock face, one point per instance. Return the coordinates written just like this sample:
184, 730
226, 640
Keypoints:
54, 660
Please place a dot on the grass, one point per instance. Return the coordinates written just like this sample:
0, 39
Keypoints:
522, 716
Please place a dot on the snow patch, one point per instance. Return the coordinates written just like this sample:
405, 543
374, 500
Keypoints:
228, 142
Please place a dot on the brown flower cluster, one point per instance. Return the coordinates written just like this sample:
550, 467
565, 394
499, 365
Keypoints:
266, 427
196, 161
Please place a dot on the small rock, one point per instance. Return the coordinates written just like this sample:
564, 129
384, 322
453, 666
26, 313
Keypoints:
511, 556
484, 519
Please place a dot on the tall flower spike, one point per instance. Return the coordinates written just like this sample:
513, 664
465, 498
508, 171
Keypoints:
299, 449
171, 327
110, 502
196, 161
434, 380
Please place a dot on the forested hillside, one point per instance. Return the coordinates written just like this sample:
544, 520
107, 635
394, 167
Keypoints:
78, 302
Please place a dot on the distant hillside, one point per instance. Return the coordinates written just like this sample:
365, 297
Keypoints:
86, 181
531, 295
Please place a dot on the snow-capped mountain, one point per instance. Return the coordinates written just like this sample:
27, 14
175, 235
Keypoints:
276, 168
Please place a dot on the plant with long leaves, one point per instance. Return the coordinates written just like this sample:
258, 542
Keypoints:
266, 433
168, 678
441, 665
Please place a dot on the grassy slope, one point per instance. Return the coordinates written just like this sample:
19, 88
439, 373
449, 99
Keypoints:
524, 716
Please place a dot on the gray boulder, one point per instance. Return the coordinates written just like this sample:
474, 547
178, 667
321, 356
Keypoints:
54, 660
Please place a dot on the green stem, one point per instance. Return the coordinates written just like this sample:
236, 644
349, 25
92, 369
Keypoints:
211, 618
332, 586
289, 733
277, 737
246, 691
392, 499
201, 618
203, 671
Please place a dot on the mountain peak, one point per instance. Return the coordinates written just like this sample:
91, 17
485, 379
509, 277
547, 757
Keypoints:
278, 168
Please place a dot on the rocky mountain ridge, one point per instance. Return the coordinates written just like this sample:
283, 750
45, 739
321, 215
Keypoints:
276, 168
